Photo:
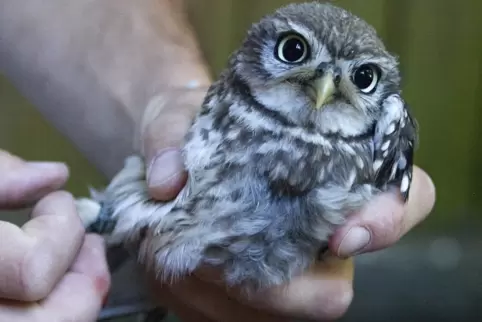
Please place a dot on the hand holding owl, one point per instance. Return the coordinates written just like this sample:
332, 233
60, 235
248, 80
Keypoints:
324, 293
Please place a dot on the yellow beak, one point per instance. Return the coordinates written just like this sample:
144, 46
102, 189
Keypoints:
324, 88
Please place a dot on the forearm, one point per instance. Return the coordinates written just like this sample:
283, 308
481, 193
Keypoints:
91, 66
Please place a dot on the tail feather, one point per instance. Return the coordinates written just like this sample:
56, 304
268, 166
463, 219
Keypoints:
124, 208
126, 215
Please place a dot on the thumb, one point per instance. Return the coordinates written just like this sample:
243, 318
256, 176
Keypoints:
165, 122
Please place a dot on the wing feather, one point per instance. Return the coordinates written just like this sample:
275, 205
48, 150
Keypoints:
394, 144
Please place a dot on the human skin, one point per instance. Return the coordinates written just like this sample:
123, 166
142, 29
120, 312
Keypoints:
38, 272
109, 74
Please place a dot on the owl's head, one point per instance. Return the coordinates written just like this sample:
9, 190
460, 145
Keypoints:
318, 65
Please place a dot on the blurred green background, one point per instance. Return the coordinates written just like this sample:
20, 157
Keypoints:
440, 47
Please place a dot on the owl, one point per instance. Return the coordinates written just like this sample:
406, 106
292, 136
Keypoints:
303, 128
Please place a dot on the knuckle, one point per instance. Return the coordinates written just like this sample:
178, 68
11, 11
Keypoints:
177, 114
152, 111
387, 230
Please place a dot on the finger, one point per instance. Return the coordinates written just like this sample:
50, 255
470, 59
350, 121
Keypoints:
77, 297
81, 292
385, 220
34, 258
324, 292
165, 124
22, 183
213, 303
92, 262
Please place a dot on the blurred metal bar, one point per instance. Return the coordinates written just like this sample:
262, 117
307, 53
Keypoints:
125, 310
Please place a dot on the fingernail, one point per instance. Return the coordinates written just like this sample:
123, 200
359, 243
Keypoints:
355, 240
164, 167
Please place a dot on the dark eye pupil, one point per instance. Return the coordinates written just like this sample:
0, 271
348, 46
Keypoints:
364, 77
293, 50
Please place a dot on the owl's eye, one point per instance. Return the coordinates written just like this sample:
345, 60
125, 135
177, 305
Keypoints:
366, 77
292, 49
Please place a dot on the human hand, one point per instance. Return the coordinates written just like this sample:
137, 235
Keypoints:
325, 292
49, 269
